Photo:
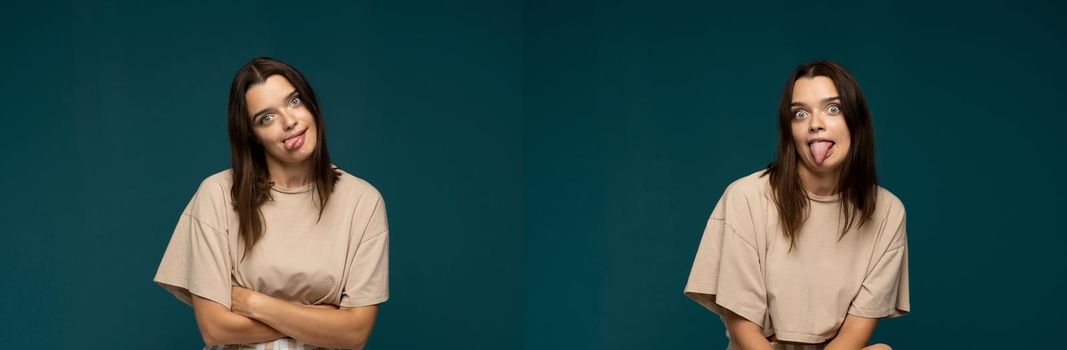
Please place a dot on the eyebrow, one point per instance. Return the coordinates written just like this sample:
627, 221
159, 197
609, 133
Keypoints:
825, 100
268, 109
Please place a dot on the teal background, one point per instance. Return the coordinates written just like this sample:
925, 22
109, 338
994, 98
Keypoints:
548, 165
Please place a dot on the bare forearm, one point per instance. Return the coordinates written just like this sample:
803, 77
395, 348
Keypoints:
843, 345
745, 334
854, 334
241, 330
220, 326
318, 326
750, 341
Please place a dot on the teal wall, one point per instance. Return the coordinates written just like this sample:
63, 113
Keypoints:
639, 113
120, 114
548, 165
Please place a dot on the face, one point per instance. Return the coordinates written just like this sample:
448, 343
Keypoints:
820, 133
281, 122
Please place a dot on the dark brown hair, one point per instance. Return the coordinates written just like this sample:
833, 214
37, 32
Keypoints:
251, 181
858, 181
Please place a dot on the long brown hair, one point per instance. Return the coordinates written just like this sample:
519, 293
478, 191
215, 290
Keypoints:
251, 181
858, 181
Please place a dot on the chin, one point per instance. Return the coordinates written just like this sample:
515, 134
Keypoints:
824, 168
302, 158
829, 168
295, 158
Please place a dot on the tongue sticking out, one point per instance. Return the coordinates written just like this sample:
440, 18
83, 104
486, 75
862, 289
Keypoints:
294, 142
820, 150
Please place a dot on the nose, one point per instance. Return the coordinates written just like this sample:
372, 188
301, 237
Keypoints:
816, 124
290, 121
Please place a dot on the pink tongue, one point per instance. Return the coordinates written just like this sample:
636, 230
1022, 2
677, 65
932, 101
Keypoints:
819, 150
290, 143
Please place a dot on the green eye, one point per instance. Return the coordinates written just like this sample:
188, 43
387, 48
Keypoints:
834, 109
294, 102
799, 114
265, 120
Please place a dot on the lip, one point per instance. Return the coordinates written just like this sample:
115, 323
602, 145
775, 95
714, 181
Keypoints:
820, 139
295, 135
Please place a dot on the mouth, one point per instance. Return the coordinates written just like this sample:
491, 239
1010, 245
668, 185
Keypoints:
296, 141
821, 149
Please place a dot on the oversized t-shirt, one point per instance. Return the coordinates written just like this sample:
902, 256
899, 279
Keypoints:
744, 264
340, 260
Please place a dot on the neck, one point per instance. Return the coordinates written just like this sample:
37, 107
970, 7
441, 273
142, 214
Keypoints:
819, 183
288, 175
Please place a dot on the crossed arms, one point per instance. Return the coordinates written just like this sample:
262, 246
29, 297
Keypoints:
255, 317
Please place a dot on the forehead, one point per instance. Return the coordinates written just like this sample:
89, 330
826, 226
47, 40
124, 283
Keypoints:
268, 93
812, 90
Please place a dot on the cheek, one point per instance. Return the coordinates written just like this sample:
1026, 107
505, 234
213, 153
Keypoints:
266, 136
309, 120
836, 123
846, 145
312, 138
841, 129
305, 115
312, 132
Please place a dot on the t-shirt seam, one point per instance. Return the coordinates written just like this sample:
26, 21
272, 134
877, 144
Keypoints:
376, 296
741, 308
376, 235
379, 204
878, 310
216, 229
366, 301
171, 278
750, 245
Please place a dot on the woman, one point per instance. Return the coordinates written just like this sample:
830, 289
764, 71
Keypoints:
810, 252
283, 250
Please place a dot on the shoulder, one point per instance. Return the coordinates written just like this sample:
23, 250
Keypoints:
222, 179
215, 186
355, 186
366, 200
890, 211
754, 186
212, 198
889, 204
743, 196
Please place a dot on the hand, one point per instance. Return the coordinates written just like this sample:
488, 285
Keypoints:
243, 301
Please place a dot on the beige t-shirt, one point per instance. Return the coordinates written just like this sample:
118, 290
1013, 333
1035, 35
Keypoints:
743, 264
341, 260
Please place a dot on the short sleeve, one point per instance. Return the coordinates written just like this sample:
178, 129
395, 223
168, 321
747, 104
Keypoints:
884, 291
197, 259
367, 280
726, 272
